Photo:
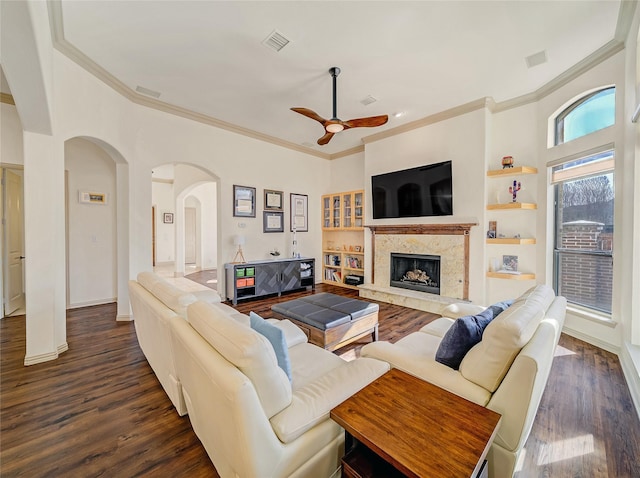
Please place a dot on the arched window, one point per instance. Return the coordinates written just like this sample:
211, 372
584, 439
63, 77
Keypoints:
590, 113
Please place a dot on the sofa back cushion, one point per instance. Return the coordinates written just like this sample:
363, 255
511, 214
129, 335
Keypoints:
248, 350
174, 298
487, 362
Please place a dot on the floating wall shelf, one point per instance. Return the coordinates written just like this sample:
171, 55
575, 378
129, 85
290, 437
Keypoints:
512, 171
502, 275
513, 205
512, 240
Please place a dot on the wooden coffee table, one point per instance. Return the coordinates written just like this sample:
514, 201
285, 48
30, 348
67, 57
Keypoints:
421, 430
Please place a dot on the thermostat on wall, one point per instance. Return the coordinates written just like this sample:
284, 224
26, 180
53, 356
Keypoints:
91, 197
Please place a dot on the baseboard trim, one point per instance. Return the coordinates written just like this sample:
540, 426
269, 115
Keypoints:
63, 348
591, 340
124, 318
79, 305
35, 359
631, 371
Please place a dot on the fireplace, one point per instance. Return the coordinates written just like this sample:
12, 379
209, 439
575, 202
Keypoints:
416, 272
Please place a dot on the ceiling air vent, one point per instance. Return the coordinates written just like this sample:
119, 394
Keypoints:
147, 91
368, 100
276, 41
536, 59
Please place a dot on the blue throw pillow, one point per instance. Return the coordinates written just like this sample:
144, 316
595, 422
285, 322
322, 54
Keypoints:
465, 333
277, 339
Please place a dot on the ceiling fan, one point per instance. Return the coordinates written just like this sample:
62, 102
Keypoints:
335, 125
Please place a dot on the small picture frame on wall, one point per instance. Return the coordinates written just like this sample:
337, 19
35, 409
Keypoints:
244, 201
273, 200
273, 221
167, 218
299, 212
89, 197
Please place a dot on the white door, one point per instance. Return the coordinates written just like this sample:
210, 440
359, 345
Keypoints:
189, 235
14, 243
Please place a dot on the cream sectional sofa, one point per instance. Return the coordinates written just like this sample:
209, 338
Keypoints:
155, 302
506, 371
251, 418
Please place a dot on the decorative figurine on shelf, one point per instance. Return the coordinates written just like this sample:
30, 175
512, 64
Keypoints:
507, 162
513, 190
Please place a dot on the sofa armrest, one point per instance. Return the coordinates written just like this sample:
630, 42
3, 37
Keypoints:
311, 404
455, 311
293, 334
426, 369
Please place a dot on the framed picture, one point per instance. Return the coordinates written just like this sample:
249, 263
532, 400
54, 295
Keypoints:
244, 201
88, 197
273, 200
273, 221
299, 212
510, 263
167, 218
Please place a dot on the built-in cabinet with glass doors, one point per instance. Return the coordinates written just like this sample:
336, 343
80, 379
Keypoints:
343, 238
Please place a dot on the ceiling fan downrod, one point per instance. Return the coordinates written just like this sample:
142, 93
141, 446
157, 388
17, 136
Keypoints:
335, 71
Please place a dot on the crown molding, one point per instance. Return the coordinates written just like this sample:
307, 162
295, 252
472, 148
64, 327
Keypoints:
431, 119
614, 46
625, 19
78, 57
7, 98
348, 152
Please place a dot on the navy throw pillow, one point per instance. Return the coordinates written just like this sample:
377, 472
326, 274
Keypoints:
465, 333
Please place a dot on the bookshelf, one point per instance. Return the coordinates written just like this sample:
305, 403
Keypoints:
343, 238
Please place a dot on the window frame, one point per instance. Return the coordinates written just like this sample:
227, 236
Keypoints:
558, 119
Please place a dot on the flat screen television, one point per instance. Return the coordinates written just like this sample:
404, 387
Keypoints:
415, 192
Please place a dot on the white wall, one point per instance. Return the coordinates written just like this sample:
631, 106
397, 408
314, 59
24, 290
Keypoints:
206, 197
92, 227
513, 133
347, 174
163, 199
11, 151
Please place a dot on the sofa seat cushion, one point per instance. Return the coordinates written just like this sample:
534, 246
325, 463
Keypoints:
292, 333
309, 362
488, 361
312, 403
438, 327
415, 354
248, 350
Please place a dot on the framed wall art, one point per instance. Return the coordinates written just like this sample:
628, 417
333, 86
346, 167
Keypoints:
299, 212
273, 221
273, 200
167, 218
244, 201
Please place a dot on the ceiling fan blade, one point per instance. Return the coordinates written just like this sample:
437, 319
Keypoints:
325, 139
310, 114
369, 122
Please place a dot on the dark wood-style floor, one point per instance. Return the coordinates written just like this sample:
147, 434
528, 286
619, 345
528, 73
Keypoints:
98, 410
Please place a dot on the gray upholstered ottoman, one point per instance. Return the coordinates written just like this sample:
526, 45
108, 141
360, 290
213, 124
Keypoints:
329, 320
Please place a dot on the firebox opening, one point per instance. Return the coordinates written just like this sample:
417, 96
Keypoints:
416, 272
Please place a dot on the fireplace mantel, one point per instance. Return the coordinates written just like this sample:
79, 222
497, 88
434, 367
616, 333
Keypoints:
438, 229
452, 229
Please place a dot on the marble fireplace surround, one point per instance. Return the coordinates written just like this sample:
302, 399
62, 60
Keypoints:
449, 241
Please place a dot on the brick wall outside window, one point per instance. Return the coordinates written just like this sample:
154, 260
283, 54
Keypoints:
586, 279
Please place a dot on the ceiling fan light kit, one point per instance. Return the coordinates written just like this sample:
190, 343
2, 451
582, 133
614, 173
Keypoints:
336, 125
